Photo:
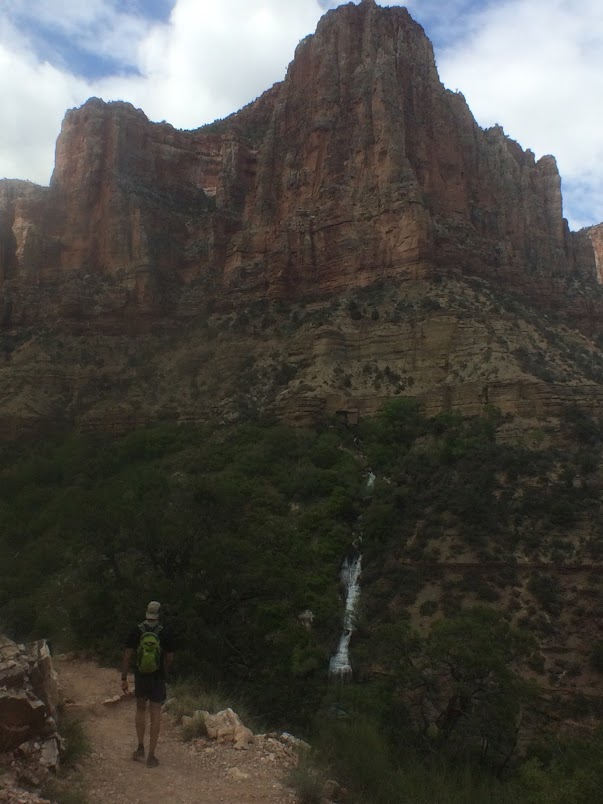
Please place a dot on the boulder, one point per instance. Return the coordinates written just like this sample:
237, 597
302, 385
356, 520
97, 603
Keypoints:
227, 727
28, 693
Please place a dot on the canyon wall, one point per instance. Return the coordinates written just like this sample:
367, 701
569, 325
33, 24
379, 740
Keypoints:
360, 166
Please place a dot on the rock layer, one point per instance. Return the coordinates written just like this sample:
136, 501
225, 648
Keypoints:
239, 255
360, 166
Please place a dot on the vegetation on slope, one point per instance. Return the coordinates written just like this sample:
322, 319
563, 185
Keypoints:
241, 532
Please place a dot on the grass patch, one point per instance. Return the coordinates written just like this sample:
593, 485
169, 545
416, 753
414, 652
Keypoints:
363, 760
77, 742
195, 729
63, 789
190, 696
57, 791
186, 697
308, 780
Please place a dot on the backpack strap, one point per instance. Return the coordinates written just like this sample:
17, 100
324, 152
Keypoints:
150, 629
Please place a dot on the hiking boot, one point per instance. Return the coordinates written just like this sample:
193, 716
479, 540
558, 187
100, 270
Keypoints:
152, 761
138, 754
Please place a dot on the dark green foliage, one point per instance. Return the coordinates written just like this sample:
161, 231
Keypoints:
596, 656
200, 519
564, 771
354, 310
547, 590
471, 657
240, 530
76, 741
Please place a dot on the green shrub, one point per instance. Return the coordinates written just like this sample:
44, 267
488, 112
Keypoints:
308, 780
596, 656
547, 590
77, 741
428, 608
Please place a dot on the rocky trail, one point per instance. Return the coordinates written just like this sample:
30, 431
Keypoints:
199, 772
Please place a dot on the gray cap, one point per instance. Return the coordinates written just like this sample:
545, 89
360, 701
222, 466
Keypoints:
153, 610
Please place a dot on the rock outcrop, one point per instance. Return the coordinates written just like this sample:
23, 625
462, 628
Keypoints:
360, 166
238, 255
225, 727
30, 746
28, 699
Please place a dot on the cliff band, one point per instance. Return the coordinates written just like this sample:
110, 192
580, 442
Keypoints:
359, 166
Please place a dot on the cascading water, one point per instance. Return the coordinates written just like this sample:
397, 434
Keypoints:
340, 666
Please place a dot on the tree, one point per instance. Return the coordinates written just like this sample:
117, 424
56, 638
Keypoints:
473, 692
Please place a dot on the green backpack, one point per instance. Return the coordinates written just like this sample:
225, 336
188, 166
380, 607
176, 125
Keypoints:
148, 655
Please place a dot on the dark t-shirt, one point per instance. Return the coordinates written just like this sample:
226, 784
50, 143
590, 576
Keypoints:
166, 641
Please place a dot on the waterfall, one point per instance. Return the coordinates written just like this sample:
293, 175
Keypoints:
339, 665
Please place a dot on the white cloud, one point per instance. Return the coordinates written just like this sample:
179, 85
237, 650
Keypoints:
34, 99
99, 27
211, 58
536, 67
215, 57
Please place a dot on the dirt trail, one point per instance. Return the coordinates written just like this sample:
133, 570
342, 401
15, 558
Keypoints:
190, 773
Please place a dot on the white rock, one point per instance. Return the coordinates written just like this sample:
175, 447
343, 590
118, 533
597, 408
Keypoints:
236, 773
49, 757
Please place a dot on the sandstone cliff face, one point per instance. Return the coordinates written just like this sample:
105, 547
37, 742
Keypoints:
358, 167
358, 171
593, 237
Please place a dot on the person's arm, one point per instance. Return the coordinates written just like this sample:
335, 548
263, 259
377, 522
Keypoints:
125, 666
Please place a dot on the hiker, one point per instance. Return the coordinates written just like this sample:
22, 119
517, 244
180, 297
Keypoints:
152, 646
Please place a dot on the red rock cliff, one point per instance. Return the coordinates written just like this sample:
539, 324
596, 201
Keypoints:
359, 166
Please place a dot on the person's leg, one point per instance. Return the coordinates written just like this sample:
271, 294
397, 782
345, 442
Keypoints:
141, 717
156, 701
155, 729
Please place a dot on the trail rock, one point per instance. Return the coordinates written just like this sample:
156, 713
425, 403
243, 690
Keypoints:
334, 792
28, 693
226, 726
237, 773
50, 753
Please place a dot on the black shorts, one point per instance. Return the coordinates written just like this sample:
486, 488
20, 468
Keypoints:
150, 688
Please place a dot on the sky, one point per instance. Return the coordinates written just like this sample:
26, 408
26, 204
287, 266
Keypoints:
533, 66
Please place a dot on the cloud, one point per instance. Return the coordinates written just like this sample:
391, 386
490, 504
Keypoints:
536, 67
205, 61
34, 98
106, 28
212, 58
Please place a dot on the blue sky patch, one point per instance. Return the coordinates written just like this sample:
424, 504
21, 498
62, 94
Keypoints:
155, 10
64, 53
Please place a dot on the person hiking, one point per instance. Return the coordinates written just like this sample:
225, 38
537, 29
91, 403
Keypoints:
151, 644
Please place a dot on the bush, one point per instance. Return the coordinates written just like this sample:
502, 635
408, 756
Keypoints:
547, 591
596, 656
77, 742
308, 780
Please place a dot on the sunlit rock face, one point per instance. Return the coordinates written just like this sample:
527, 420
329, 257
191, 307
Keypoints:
360, 166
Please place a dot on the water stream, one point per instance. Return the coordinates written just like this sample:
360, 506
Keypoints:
340, 666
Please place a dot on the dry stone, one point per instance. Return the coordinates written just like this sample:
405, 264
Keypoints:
28, 693
226, 727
